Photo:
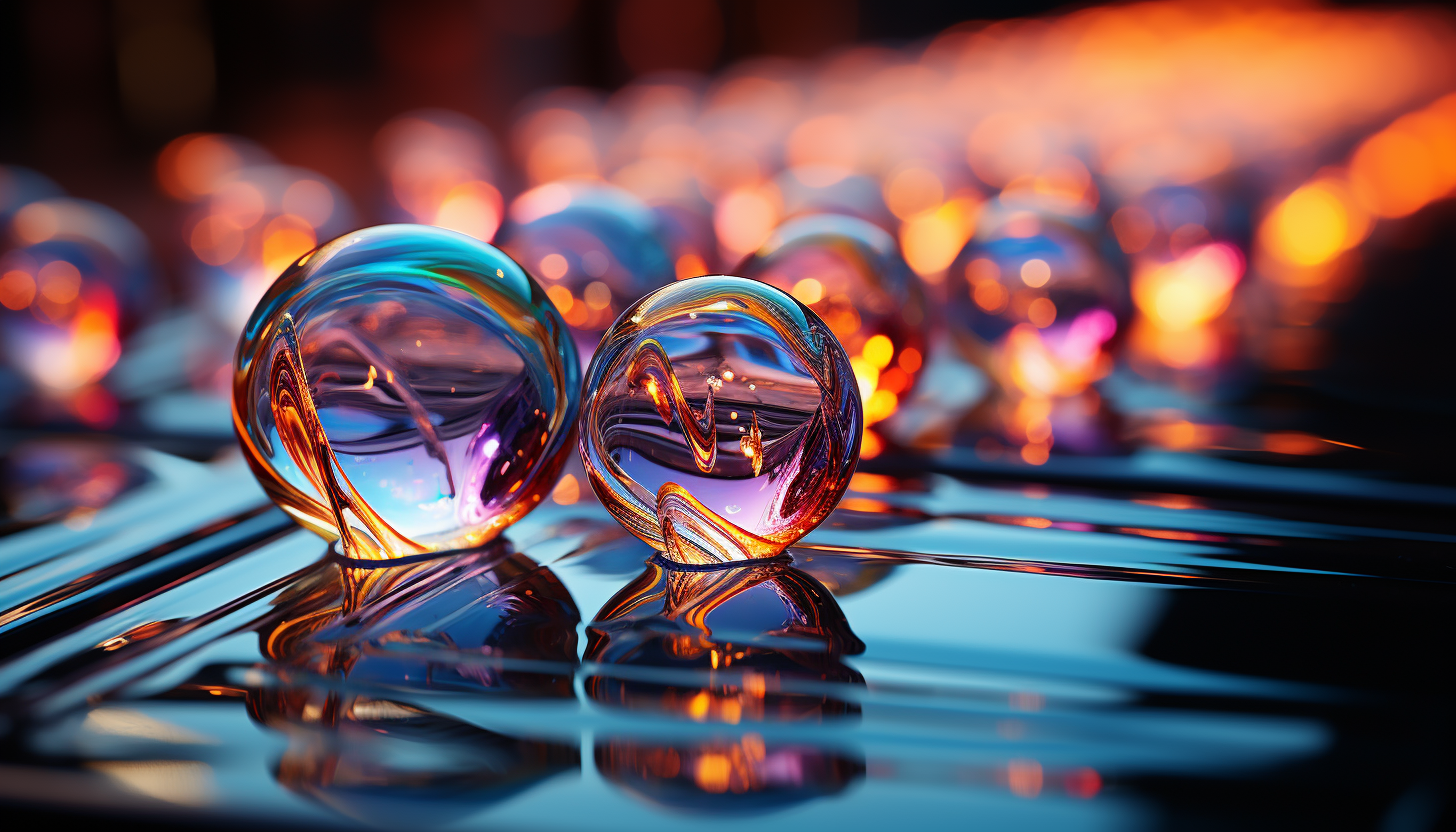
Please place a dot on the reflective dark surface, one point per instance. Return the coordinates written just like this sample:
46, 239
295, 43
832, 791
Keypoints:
1166, 642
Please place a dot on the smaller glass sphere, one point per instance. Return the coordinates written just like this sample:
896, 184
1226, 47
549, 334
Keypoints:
721, 422
595, 247
1032, 299
405, 389
850, 272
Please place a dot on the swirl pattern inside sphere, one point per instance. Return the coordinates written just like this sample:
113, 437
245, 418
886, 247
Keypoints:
405, 389
722, 420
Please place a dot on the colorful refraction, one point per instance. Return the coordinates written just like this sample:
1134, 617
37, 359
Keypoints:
722, 421
405, 389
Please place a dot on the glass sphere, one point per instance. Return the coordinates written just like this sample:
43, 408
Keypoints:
850, 272
721, 422
405, 389
595, 247
1032, 299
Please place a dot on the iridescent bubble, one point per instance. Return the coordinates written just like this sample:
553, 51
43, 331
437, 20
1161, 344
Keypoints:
850, 272
722, 420
405, 389
595, 247
1032, 299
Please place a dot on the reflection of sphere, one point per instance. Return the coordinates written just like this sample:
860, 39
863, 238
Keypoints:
1032, 295
407, 387
851, 274
722, 421
595, 247
452, 624
733, 647
433, 624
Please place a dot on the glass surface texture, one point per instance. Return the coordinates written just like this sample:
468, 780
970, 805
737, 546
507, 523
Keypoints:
405, 389
721, 420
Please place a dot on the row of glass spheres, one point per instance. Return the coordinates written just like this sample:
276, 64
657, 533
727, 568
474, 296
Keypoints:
408, 389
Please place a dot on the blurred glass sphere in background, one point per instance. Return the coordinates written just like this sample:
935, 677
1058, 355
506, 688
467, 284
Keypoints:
595, 247
1032, 300
75, 277
850, 272
721, 420
405, 389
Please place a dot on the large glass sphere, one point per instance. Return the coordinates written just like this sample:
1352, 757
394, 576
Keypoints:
721, 420
405, 389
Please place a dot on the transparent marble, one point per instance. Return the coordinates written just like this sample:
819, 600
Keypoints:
850, 272
595, 247
405, 389
721, 420
1033, 299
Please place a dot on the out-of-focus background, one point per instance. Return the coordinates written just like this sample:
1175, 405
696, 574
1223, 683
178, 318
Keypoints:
1216, 227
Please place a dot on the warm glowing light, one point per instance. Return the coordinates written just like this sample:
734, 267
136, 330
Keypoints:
689, 265
880, 405
540, 202
1042, 312
216, 240
1024, 777
36, 223
827, 141
911, 191
60, 282
743, 219
870, 445
1134, 228
472, 208
878, 350
597, 295
910, 360
1035, 273
932, 240
561, 297
1191, 290
1035, 454
191, 166
1311, 225
809, 291
554, 266
567, 491
867, 374
990, 296
17, 289
285, 239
